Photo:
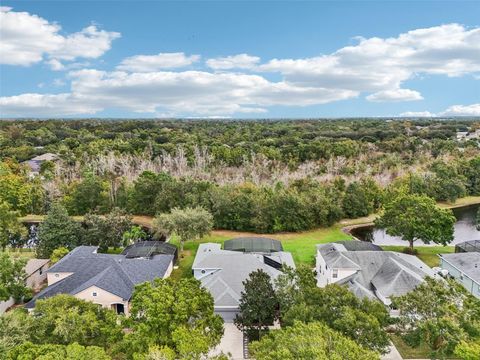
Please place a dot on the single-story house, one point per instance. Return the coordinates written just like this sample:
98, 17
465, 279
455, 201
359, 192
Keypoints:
368, 271
105, 279
35, 163
222, 272
465, 268
36, 270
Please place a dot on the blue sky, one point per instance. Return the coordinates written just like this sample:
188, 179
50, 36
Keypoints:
239, 59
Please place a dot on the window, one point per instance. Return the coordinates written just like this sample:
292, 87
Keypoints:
40, 271
203, 271
57, 275
335, 273
461, 276
94, 294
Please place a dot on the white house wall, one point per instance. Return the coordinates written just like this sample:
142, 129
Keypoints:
470, 285
36, 279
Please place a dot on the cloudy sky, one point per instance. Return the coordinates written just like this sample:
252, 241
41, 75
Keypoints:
239, 59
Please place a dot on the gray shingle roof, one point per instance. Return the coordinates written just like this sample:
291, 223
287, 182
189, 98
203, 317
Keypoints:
229, 270
113, 273
388, 272
468, 263
35, 264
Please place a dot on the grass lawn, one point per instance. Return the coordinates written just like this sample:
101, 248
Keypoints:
26, 253
428, 254
407, 352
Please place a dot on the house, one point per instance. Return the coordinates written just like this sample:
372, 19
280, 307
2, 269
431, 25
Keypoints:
222, 272
35, 163
368, 271
105, 279
36, 270
465, 268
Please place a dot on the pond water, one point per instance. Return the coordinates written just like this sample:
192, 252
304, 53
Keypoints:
465, 230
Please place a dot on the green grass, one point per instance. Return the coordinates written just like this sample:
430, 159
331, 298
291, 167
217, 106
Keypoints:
428, 254
26, 253
408, 352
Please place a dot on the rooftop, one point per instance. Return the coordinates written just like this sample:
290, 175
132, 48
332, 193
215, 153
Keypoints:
225, 270
116, 274
387, 272
467, 262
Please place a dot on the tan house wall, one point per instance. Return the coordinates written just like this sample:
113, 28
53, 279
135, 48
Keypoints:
35, 280
52, 278
5, 305
104, 298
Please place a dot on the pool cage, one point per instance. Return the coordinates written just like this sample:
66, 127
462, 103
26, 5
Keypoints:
148, 249
468, 246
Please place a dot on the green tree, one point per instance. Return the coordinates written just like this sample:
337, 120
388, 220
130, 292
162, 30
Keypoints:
356, 203
15, 329
10, 226
89, 195
58, 254
468, 350
417, 217
440, 314
57, 230
134, 234
293, 286
174, 314
107, 230
314, 341
29, 351
187, 224
258, 305
363, 320
12, 277
64, 319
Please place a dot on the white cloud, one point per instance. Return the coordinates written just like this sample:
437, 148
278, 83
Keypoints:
241, 61
378, 65
462, 110
44, 105
417, 114
395, 95
26, 39
454, 110
55, 65
150, 63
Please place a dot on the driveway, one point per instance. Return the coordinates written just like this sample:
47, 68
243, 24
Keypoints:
231, 343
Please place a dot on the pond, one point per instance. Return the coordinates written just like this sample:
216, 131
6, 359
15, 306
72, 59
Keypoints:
465, 230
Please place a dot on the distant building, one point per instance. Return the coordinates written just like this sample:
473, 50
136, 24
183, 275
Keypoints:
465, 268
222, 272
104, 279
468, 135
36, 270
368, 271
35, 163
